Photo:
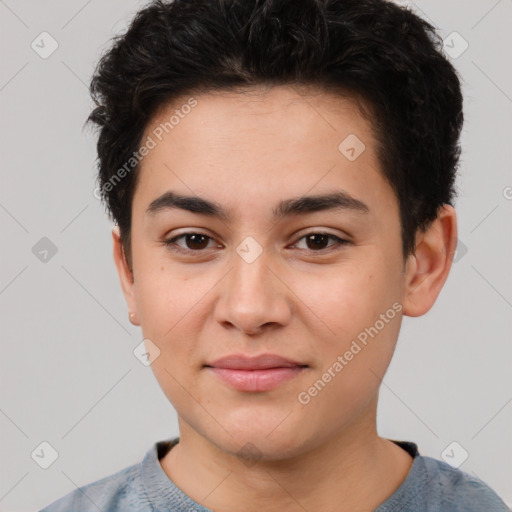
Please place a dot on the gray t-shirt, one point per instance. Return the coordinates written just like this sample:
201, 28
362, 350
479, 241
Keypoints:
431, 485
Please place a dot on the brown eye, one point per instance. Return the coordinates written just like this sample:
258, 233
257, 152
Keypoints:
194, 242
317, 242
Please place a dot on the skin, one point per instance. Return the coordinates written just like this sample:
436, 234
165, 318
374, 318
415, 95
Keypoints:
248, 152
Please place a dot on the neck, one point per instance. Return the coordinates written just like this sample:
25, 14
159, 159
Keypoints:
352, 470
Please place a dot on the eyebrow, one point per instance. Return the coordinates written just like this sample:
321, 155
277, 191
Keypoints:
339, 200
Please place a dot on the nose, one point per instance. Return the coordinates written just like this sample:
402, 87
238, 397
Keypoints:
253, 297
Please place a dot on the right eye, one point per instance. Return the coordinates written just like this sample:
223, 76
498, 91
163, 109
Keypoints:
194, 242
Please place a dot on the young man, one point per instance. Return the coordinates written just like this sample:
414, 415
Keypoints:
281, 174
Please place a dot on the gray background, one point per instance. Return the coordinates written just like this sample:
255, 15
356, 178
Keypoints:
68, 374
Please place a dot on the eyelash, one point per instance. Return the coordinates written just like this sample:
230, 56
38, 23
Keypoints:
173, 247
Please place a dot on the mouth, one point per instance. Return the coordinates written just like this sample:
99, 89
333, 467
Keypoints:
255, 374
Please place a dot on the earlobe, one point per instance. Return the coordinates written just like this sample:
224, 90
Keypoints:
125, 276
428, 269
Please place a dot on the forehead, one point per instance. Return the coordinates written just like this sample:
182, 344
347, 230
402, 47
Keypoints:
258, 144
279, 114
263, 105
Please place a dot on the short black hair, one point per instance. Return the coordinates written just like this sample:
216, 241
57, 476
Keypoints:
370, 49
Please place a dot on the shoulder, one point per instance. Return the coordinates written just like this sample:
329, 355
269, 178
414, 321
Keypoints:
452, 489
119, 491
433, 485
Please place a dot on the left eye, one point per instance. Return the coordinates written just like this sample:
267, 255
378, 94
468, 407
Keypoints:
317, 240
195, 242
197, 239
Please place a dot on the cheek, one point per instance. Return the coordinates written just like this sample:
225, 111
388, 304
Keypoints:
351, 373
363, 319
370, 323
169, 305
164, 296
347, 298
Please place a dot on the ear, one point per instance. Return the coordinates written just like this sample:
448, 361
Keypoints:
427, 269
125, 275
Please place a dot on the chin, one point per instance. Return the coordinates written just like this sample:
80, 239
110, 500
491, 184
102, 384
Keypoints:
262, 441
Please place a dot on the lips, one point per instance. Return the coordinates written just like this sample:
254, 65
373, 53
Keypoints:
261, 362
260, 373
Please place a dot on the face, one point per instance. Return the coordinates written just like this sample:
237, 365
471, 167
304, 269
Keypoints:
318, 282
